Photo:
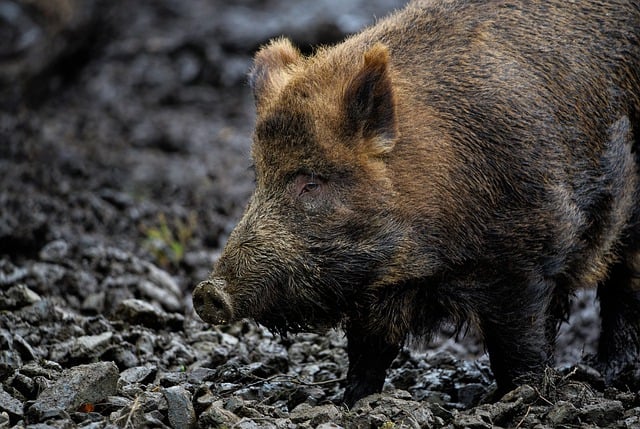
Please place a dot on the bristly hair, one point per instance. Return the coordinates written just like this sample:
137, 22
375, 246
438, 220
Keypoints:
278, 323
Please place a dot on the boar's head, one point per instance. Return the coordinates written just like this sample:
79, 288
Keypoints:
319, 228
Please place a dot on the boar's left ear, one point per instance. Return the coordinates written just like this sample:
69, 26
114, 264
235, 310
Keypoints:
271, 67
370, 103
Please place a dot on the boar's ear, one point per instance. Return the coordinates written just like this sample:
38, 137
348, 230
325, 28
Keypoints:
370, 104
270, 71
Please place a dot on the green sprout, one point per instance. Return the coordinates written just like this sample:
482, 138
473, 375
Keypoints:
167, 241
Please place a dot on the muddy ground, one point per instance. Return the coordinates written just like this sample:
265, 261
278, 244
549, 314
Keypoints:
124, 138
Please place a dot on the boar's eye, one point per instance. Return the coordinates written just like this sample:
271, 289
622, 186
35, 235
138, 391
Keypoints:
309, 187
307, 184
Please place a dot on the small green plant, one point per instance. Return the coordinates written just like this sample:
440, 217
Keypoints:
167, 241
388, 425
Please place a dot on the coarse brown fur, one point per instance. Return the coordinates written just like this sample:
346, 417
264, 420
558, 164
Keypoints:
462, 161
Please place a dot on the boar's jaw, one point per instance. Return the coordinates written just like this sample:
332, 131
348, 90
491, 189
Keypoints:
212, 303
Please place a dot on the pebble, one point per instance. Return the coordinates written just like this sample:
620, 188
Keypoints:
136, 311
55, 251
216, 416
138, 374
562, 412
91, 345
308, 413
17, 296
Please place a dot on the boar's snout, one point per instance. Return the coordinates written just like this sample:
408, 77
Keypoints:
212, 302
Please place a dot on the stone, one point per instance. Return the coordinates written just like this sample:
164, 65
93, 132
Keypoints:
17, 296
10, 405
155, 293
140, 312
217, 416
525, 391
138, 374
180, 410
76, 386
602, 413
27, 352
314, 415
91, 345
54, 251
562, 413
329, 426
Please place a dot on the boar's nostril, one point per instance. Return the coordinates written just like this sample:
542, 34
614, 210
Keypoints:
211, 302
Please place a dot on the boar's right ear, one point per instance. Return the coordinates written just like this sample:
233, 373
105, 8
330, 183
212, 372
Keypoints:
271, 67
370, 103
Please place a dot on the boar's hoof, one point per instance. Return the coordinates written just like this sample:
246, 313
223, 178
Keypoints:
212, 303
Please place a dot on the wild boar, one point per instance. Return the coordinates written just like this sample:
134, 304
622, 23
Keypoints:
460, 161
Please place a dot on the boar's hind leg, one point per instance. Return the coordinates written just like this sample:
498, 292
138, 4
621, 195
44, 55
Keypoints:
369, 357
619, 347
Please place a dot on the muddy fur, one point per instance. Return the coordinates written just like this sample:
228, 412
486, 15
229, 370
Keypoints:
461, 161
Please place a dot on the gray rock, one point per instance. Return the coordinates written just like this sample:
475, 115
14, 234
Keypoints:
246, 423
397, 406
25, 385
141, 312
83, 348
145, 345
314, 415
10, 405
42, 368
168, 300
10, 360
466, 421
162, 279
26, 351
217, 416
329, 426
131, 416
94, 302
204, 398
91, 345
180, 408
525, 392
154, 400
198, 375
602, 413
17, 296
171, 378
137, 374
55, 251
562, 413
5, 421
10, 274
78, 385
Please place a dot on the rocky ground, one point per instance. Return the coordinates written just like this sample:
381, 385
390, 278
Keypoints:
124, 137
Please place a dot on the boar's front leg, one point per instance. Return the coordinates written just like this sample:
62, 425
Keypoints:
515, 325
369, 357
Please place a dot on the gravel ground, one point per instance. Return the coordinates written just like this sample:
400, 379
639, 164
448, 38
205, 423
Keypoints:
124, 138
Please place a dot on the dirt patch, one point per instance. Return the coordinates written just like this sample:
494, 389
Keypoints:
124, 138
